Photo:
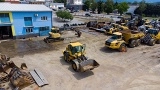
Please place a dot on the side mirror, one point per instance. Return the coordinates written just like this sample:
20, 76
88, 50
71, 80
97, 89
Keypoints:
83, 47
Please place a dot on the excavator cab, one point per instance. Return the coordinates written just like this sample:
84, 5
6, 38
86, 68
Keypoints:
75, 53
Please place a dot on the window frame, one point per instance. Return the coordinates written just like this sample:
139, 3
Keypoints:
29, 30
44, 18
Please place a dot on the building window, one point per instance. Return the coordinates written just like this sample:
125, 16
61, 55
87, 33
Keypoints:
29, 30
4, 17
44, 18
28, 21
44, 28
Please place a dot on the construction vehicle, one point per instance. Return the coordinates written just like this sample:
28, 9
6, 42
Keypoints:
123, 26
152, 37
111, 28
17, 76
148, 25
116, 42
119, 40
53, 36
78, 33
75, 53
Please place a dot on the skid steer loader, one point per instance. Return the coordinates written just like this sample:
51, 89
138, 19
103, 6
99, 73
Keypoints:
54, 35
75, 53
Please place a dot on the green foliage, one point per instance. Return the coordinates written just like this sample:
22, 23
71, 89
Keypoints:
108, 8
93, 5
152, 10
100, 7
142, 7
87, 5
135, 3
64, 15
122, 7
2, 0
115, 5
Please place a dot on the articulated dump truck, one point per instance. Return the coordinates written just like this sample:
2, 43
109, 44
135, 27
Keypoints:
119, 40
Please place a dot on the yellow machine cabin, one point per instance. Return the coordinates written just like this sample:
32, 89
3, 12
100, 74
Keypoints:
75, 53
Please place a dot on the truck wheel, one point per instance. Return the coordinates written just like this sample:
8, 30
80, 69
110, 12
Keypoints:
132, 44
138, 42
123, 48
75, 65
152, 42
158, 41
66, 56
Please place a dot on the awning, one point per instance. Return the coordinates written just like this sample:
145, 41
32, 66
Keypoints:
5, 24
28, 26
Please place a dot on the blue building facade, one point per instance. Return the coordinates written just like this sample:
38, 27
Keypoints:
24, 24
32, 23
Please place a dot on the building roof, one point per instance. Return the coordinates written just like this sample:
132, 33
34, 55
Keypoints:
22, 7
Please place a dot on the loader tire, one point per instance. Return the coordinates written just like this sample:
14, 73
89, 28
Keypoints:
138, 42
75, 65
152, 42
158, 41
66, 56
132, 43
123, 48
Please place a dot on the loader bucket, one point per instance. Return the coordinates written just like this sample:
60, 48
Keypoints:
89, 64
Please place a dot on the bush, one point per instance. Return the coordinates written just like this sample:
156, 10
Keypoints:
64, 15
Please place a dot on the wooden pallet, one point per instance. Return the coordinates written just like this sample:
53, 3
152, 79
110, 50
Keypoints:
39, 77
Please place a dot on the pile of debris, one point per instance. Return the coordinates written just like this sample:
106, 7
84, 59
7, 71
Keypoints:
18, 77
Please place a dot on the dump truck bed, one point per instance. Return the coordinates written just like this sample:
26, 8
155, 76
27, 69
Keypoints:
127, 35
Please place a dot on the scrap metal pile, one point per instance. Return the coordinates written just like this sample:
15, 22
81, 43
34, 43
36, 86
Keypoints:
9, 72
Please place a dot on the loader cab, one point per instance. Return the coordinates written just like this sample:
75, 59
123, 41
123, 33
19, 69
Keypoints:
55, 30
153, 31
76, 48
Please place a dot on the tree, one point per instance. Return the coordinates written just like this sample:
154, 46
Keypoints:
64, 15
115, 5
100, 6
93, 5
122, 7
135, 3
2, 0
142, 7
109, 6
87, 5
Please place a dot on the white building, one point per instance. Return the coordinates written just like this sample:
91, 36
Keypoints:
75, 2
55, 6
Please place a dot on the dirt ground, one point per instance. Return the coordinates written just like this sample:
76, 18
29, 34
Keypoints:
137, 69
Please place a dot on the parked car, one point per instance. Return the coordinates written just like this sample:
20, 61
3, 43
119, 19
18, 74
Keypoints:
87, 14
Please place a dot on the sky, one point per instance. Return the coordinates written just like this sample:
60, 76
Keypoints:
149, 1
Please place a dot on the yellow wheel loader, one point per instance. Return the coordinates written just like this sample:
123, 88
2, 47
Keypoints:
75, 53
54, 35
152, 37
111, 28
119, 40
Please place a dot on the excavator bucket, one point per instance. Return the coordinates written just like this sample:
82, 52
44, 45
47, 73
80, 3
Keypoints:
89, 64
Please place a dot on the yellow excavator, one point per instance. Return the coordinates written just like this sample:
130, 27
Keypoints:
53, 36
75, 53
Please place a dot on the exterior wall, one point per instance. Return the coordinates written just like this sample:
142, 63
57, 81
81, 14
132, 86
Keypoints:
78, 2
20, 28
9, 22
